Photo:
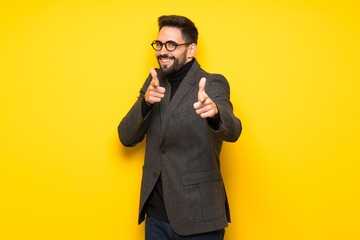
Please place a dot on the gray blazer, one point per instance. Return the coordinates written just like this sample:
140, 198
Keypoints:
185, 150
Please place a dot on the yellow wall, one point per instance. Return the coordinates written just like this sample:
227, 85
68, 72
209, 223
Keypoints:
70, 70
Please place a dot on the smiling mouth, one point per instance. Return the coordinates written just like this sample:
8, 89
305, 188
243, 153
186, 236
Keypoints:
166, 59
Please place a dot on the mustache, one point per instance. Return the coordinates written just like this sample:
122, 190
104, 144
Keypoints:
165, 56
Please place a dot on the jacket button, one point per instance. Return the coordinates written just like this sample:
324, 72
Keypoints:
155, 174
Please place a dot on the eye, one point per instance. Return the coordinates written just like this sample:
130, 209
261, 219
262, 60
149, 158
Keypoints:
158, 44
171, 44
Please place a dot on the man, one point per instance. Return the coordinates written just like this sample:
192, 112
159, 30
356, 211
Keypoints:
185, 114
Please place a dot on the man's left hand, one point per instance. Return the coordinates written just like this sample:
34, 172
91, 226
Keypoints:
205, 107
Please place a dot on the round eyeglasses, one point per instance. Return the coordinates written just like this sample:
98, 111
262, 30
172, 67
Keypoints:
169, 45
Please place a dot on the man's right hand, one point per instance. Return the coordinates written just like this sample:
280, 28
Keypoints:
154, 93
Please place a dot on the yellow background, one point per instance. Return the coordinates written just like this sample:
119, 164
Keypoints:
70, 70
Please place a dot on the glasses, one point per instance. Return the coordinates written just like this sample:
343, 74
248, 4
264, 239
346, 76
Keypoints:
169, 45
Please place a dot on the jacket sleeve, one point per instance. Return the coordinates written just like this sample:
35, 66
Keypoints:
230, 126
132, 128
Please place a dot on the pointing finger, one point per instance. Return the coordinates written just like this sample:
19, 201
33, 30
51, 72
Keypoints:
155, 80
202, 94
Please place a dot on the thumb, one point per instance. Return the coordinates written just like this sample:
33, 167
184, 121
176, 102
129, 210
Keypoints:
155, 80
202, 94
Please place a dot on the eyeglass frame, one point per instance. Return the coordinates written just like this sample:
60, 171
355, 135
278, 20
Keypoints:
165, 43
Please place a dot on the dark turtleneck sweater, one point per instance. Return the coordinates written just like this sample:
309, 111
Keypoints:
155, 206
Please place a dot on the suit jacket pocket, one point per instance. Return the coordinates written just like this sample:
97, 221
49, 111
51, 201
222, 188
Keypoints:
201, 177
205, 196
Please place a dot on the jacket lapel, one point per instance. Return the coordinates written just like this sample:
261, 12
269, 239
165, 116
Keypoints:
168, 107
164, 104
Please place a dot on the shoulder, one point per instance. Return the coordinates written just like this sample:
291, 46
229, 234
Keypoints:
213, 78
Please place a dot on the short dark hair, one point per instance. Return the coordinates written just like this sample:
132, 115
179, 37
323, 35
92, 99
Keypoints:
186, 26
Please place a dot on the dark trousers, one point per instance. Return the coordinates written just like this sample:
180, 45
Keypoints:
159, 230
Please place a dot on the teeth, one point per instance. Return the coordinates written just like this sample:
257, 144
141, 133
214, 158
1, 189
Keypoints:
165, 60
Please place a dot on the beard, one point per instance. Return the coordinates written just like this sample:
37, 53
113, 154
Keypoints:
178, 63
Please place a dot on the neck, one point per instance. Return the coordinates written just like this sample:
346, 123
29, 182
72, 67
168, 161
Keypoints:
176, 78
182, 71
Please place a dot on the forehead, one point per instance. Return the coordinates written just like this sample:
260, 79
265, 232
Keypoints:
170, 33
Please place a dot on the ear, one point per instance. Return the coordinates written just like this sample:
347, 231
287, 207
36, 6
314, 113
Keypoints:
191, 50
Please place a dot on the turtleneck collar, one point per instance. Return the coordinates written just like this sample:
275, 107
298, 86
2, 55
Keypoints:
175, 79
182, 72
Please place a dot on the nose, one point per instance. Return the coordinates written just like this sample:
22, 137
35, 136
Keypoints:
163, 50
